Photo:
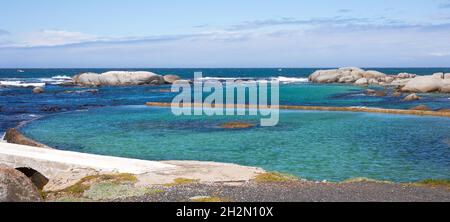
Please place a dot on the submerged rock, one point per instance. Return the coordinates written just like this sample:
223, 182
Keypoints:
422, 108
118, 78
237, 125
16, 187
38, 90
411, 97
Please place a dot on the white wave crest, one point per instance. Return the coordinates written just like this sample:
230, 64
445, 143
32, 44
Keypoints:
20, 84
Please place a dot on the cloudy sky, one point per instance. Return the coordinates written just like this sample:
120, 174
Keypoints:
232, 33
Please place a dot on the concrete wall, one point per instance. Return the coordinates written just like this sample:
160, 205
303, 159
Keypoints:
52, 162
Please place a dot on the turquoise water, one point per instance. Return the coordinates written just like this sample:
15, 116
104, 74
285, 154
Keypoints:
330, 146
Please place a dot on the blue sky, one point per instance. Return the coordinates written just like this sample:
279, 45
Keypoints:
201, 33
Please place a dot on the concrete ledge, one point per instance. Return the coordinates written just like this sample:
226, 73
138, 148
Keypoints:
51, 162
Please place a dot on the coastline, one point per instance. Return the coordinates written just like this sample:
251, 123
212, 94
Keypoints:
198, 181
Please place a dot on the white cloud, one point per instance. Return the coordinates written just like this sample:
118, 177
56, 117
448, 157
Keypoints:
52, 38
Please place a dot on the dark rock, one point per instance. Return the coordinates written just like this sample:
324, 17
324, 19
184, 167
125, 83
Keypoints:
14, 136
51, 109
422, 108
17, 187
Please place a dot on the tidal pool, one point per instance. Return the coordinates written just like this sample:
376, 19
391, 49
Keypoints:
331, 146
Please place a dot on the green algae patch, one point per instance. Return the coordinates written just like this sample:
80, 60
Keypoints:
86, 183
365, 180
110, 191
434, 183
275, 177
181, 181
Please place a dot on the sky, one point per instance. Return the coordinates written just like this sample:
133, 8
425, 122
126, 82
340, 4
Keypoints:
221, 34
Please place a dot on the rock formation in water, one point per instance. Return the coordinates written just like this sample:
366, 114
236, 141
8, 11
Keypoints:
38, 90
14, 136
170, 79
407, 82
118, 78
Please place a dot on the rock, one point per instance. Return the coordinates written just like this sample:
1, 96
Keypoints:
347, 79
14, 136
397, 94
399, 82
388, 79
373, 81
362, 82
182, 82
16, 187
444, 110
118, 78
405, 75
439, 75
373, 75
325, 76
422, 108
51, 109
381, 93
411, 97
445, 87
38, 90
447, 76
423, 84
237, 125
372, 92
170, 79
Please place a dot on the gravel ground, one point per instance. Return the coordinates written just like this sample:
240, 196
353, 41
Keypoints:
301, 192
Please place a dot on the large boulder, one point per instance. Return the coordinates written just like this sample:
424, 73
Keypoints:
373, 75
325, 76
14, 136
170, 79
424, 84
445, 87
362, 82
405, 75
16, 187
118, 78
447, 76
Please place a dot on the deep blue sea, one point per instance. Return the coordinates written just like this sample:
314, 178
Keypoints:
313, 145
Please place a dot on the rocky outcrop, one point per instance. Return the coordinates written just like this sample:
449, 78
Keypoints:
16, 187
424, 84
14, 136
38, 90
170, 79
407, 82
118, 78
411, 97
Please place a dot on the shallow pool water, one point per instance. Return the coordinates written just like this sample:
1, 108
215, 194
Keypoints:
330, 146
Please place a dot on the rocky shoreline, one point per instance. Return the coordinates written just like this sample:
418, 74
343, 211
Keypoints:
403, 82
194, 181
